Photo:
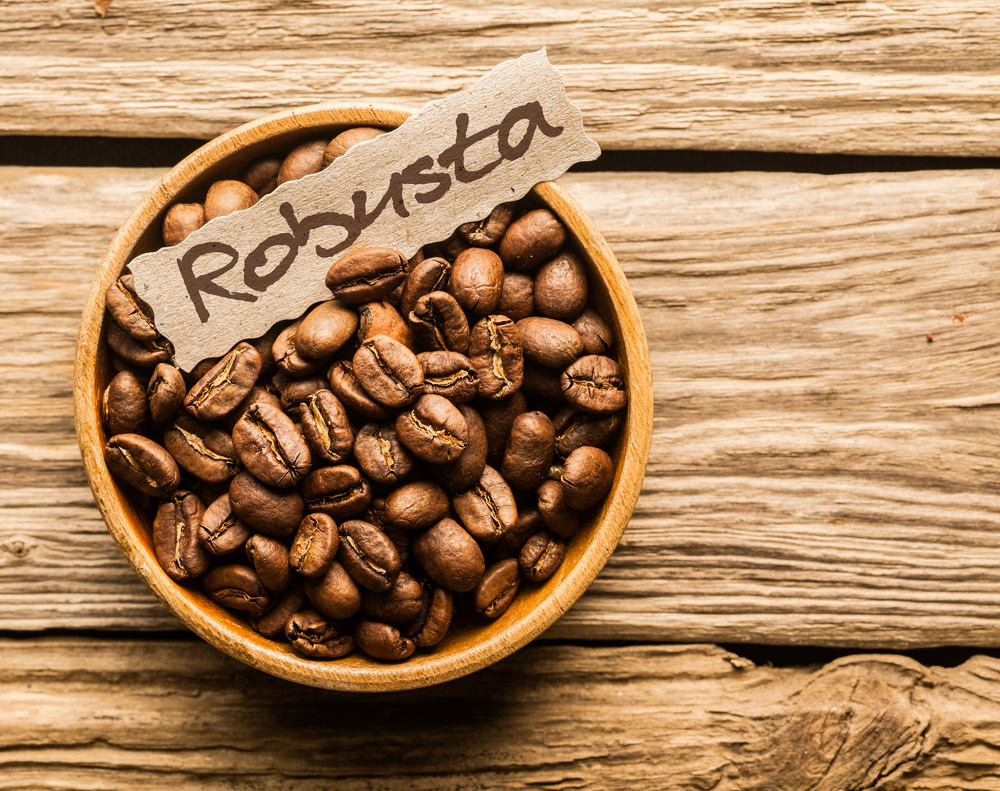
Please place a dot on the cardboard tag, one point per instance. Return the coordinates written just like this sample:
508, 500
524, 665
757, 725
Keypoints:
449, 164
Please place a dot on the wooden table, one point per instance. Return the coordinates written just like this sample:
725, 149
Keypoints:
826, 355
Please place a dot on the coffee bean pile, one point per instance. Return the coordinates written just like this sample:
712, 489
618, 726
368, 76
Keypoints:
430, 436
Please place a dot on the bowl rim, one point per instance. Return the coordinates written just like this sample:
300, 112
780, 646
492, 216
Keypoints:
264, 654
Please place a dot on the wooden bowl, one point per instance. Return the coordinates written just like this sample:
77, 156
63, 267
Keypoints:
469, 646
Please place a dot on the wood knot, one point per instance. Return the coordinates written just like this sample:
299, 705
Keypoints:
18, 548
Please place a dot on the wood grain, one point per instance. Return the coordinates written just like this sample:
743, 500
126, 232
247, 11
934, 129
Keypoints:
820, 473
780, 75
128, 714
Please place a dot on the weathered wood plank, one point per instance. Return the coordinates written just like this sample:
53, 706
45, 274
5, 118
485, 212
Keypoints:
841, 76
820, 473
179, 715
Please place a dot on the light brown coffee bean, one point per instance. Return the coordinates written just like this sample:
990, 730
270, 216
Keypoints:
497, 589
416, 505
326, 427
388, 371
227, 197
429, 275
317, 637
549, 341
334, 593
490, 230
203, 450
366, 274
587, 476
557, 515
459, 475
325, 329
380, 455
476, 281
449, 555
595, 384
221, 531
143, 354
496, 352
368, 556
124, 408
286, 353
531, 239
298, 391
270, 560
398, 605
346, 140
433, 430
275, 512
575, 427
165, 392
381, 318
344, 385
175, 537
595, 333
128, 311
449, 374
303, 160
487, 509
228, 382
239, 588
261, 175
517, 299
338, 491
431, 624
382, 641
542, 554
271, 447
438, 323
561, 287
315, 545
530, 449
274, 621
142, 463
182, 220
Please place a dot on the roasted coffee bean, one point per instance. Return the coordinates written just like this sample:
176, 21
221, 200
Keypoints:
450, 556
317, 637
346, 139
438, 323
449, 374
143, 354
298, 390
182, 220
165, 393
315, 545
226, 197
286, 353
561, 287
338, 491
368, 556
544, 384
257, 395
459, 475
433, 430
531, 239
496, 352
124, 408
595, 333
388, 371
271, 447
549, 341
558, 517
431, 624
517, 299
334, 593
261, 175
325, 329
529, 452
416, 505
142, 463
270, 560
129, 312
352, 395
194, 376
175, 537
225, 385
453, 246
587, 476
239, 588
543, 553
221, 531
498, 417
275, 512
366, 274
489, 231
487, 509
303, 160
529, 522
400, 539
382, 641
498, 588
575, 428
381, 318
427, 276
476, 281
325, 427
595, 384
380, 455
203, 450
273, 622
398, 605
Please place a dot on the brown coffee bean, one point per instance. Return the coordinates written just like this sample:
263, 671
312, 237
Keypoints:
315, 545
182, 220
549, 341
368, 556
325, 329
594, 384
498, 417
334, 593
388, 371
261, 175
543, 383
352, 395
346, 139
517, 299
225, 385
298, 390
488, 231
497, 589
239, 588
191, 378
165, 393
558, 517
274, 621
303, 160
128, 311
326, 427
575, 428
595, 333
587, 476
366, 274
381, 318
316, 637
286, 353
459, 475
431, 624
382, 641
543, 553
449, 555
338, 491
529, 452
270, 560
476, 281
124, 408
416, 505
561, 287
221, 531
275, 512
175, 537
529, 522
271, 447
449, 374
487, 509
257, 395
433, 430
142, 463
380, 455
438, 323
495, 351
226, 197
142, 354
427, 276
400, 539
453, 246
531, 239
398, 605
203, 450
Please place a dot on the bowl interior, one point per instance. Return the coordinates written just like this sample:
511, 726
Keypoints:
471, 644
